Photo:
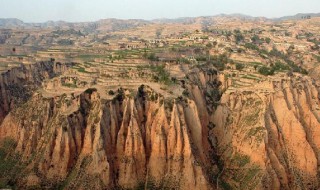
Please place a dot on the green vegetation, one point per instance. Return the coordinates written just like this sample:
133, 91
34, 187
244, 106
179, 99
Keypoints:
151, 56
239, 37
251, 77
65, 42
265, 71
239, 66
219, 61
251, 46
91, 57
317, 58
161, 75
82, 70
225, 185
90, 90
256, 63
278, 66
111, 92
256, 39
67, 32
240, 160
242, 174
276, 53
248, 177
202, 58
10, 167
3, 64
251, 119
257, 133
295, 68
185, 93
69, 85
183, 60
213, 96
268, 40
315, 42
72, 175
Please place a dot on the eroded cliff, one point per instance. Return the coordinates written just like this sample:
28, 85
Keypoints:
18, 84
126, 142
212, 137
269, 140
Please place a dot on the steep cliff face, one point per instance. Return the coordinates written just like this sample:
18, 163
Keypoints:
205, 139
17, 84
269, 140
80, 142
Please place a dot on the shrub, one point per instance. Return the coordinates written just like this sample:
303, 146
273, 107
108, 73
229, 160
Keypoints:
185, 93
152, 57
239, 38
251, 46
268, 40
280, 66
219, 61
266, 71
161, 75
111, 92
256, 39
239, 66
219, 65
65, 42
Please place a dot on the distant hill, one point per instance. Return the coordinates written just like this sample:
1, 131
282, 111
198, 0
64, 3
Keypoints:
103, 25
205, 18
112, 24
118, 24
10, 22
298, 16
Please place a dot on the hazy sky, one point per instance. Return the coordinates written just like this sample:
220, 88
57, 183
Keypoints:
91, 10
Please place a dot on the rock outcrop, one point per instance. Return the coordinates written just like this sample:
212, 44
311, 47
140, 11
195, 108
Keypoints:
209, 138
18, 84
125, 142
269, 140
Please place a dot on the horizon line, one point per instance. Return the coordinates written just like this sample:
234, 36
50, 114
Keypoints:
164, 18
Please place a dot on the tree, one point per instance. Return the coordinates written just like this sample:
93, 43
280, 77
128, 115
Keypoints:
255, 39
251, 46
239, 37
266, 71
268, 40
239, 66
158, 33
152, 57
